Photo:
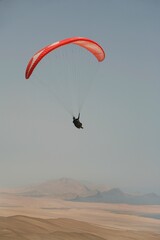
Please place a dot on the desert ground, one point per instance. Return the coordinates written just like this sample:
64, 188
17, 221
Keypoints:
47, 218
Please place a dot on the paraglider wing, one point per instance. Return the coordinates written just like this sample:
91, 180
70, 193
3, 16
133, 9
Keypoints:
86, 43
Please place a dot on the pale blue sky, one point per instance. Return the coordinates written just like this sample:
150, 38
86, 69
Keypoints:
120, 143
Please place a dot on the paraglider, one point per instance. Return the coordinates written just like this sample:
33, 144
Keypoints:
91, 46
76, 122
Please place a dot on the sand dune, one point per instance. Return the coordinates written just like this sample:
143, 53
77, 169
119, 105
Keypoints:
22, 228
48, 218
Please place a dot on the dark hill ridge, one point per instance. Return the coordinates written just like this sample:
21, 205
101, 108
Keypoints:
115, 195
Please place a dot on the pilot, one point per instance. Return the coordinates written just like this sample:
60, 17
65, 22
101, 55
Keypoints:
77, 123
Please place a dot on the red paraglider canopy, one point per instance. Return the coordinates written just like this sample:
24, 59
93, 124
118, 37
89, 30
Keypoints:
86, 43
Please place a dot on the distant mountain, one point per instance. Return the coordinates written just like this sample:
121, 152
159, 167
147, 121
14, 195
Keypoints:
73, 190
115, 195
64, 188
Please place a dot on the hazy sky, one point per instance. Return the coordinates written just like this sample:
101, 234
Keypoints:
120, 143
